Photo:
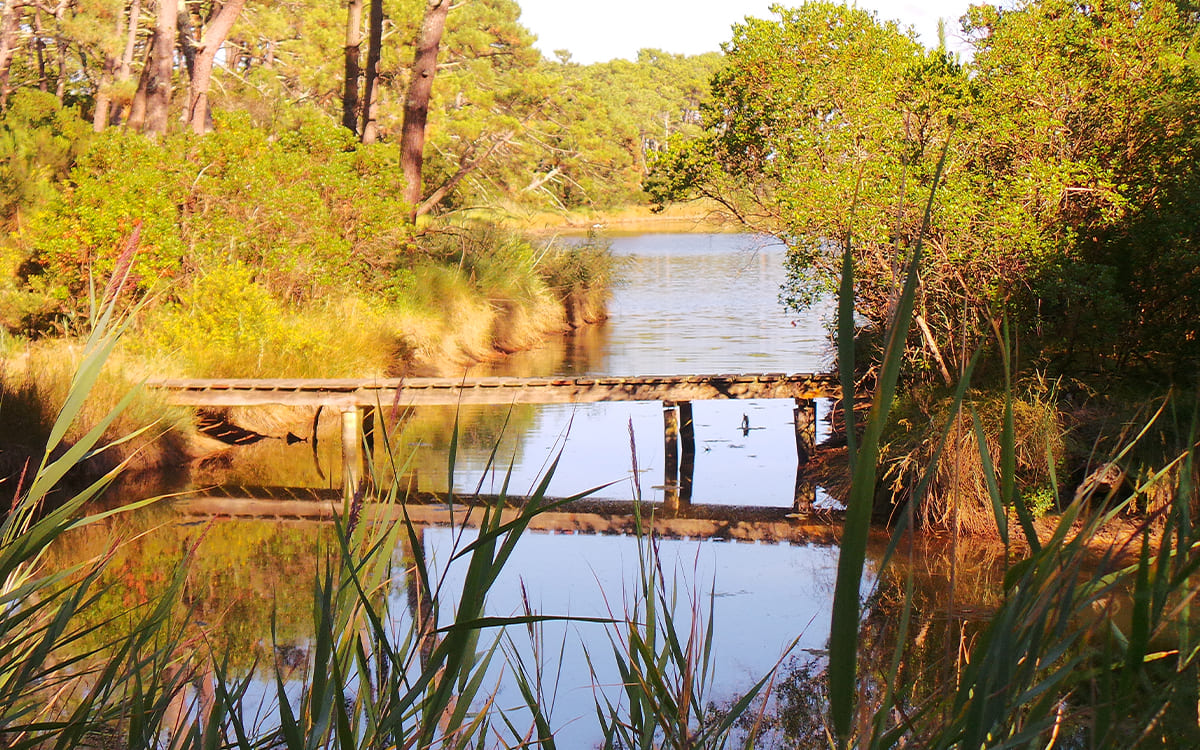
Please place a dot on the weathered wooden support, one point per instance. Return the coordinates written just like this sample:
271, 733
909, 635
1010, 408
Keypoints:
369, 413
352, 452
687, 462
738, 523
806, 492
670, 455
806, 443
356, 399
806, 429
420, 606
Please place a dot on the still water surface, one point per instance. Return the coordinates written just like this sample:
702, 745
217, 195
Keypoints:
690, 304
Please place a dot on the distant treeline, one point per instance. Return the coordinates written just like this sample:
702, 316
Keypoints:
502, 124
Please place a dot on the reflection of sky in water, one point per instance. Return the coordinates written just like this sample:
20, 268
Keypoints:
766, 596
689, 304
758, 468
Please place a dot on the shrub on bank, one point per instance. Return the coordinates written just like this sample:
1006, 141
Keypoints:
582, 276
959, 494
35, 378
272, 255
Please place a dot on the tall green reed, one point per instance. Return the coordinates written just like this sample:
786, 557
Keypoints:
1055, 663
864, 456
57, 687
661, 643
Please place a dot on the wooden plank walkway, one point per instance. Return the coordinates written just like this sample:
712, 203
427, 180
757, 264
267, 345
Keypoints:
406, 392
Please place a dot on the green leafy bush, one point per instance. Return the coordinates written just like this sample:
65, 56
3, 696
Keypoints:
227, 322
39, 142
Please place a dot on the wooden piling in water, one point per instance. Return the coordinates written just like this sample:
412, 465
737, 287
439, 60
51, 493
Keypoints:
368, 419
805, 415
687, 463
806, 428
670, 455
352, 453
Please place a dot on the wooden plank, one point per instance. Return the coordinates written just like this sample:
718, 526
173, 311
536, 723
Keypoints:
343, 393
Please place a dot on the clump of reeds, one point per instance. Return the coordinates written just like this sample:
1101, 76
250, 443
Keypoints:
957, 496
661, 643
582, 276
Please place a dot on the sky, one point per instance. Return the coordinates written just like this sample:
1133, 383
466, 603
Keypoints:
600, 30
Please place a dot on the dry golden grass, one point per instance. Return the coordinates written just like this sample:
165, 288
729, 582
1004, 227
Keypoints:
34, 381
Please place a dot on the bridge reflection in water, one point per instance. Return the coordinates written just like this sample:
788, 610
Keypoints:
740, 523
358, 401
769, 569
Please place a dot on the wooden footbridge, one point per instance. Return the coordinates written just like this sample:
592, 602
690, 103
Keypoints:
358, 400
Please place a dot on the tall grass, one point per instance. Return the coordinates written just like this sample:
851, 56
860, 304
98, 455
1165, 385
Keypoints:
662, 646
1079, 639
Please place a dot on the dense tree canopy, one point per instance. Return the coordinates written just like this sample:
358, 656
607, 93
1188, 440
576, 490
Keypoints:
258, 145
504, 123
1069, 195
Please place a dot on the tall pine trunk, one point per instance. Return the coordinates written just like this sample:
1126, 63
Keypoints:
102, 113
60, 41
370, 130
214, 36
137, 107
104, 94
416, 102
158, 85
10, 31
125, 71
354, 11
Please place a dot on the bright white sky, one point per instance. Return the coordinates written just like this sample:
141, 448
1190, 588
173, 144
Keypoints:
600, 30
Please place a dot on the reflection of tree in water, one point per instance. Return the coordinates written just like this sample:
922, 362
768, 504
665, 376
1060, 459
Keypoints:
794, 716
242, 579
941, 632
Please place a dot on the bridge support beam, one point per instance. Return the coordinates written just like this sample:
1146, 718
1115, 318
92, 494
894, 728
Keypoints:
679, 430
670, 455
358, 447
368, 435
687, 462
352, 451
806, 443
420, 606
806, 428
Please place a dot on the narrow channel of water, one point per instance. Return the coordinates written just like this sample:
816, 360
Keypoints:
690, 304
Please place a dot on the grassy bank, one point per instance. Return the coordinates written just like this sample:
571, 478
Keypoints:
693, 216
475, 292
253, 253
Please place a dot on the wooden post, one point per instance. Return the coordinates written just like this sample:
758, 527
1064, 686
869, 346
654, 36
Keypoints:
687, 464
806, 493
420, 607
806, 429
368, 435
352, 454
806, 443
670, 455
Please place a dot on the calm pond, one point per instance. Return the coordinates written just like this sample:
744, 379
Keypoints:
691, 304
